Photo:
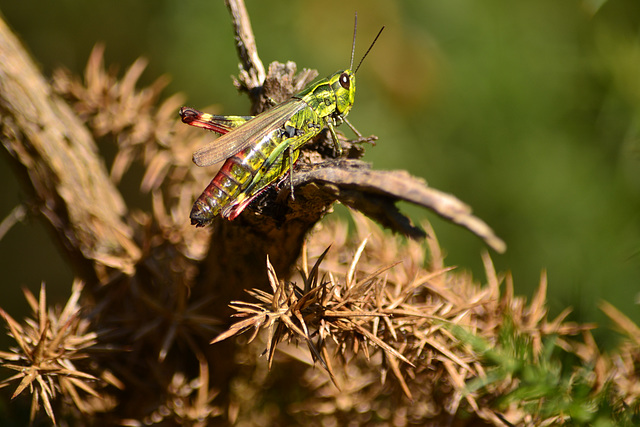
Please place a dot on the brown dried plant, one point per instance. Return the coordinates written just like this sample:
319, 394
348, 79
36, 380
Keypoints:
54, 346
369, 311
373, 329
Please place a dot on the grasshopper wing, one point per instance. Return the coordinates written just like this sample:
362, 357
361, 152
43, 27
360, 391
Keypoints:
251, 132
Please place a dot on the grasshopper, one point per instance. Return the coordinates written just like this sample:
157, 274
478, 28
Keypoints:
259, 150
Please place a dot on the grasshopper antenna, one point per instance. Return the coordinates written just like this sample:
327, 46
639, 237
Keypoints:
368, 50
353, 45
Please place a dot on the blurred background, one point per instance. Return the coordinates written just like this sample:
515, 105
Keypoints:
528, 111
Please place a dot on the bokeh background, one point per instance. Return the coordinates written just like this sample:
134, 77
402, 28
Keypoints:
528, 111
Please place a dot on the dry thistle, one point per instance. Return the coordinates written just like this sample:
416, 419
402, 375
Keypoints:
321, 309
50, 344
380, 301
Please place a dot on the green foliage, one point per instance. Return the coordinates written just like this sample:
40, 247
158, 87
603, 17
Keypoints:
551, 384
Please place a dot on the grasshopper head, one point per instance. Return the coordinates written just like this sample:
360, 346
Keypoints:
343, 84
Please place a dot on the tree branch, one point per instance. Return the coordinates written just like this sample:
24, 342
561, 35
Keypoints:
61, 165
374, 193
252, 72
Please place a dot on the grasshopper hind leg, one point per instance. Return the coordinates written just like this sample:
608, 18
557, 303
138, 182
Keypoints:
291, 172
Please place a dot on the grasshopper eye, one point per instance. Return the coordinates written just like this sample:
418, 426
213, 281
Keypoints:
344, 80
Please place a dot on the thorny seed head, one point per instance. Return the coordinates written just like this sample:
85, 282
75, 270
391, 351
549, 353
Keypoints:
50, 346
358, 300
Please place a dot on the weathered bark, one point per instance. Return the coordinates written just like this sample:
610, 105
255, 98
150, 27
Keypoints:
61, 166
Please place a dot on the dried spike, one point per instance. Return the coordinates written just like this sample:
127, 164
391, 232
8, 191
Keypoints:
393, 363
354, 262
539, 300
623, 322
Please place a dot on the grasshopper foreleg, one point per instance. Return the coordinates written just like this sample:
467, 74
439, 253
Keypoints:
360, 138
334, 136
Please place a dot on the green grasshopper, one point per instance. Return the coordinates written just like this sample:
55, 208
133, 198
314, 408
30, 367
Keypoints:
259, 150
